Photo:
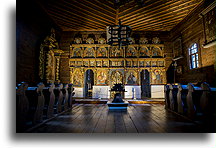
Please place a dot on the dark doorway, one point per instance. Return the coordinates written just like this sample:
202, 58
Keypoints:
145, 84
89, 82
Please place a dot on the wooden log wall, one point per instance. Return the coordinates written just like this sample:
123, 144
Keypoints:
191, 30
32, 26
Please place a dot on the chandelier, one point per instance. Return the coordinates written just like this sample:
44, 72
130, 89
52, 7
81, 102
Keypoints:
119, 35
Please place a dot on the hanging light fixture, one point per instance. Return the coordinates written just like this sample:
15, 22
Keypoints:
119, 35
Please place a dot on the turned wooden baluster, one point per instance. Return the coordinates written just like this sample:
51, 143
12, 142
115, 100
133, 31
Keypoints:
50, 109
38, 117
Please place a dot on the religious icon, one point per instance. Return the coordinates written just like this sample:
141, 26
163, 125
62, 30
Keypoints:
77, 78
141, 63
155, 40
72, 63
116, 77
78, 40
156, 51
102, 77
105, 63
77, 52
135, 63
131, 51
92, 63
157, 77
144, 51
101, 52
143, 40
147, 63
90, 41
89, 52
131, 79
85, 63
128, 63
161, 63
98, 63
116, 52
154, 63
102, 41
79, 63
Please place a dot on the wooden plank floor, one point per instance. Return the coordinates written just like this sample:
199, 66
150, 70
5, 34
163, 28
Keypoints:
139, 118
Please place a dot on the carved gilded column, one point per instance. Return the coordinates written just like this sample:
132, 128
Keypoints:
57, 53
50, 67
57, 68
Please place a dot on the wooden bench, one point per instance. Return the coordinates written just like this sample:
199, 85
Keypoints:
181, 99
58, 98
193, 100
38, 117
22, 106
173, 97
71, 93
166, 93
49, 100
36, 103
208, 100
65, 97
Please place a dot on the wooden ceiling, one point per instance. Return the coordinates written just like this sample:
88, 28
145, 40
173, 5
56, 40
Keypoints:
95, 15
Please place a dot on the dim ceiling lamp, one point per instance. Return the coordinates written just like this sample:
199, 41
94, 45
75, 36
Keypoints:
119, 35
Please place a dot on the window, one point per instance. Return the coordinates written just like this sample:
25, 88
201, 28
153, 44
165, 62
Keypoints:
193, 55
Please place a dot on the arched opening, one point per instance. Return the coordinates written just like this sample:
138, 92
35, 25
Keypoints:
145, 84
89, 82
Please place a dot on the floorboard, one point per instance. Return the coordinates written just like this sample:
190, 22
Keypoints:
139, 118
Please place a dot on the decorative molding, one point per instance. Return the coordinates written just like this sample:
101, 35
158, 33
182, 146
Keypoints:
209, 44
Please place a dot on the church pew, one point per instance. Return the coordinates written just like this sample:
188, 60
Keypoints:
71, 93
65, 97
49, 101
166, 92
181, 98
173, 97
38, 117
193, 100
36, 103
207, 100
22, 106
58, 98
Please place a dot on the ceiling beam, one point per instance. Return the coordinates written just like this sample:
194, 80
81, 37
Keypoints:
160, 18
168, 7
91, 19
